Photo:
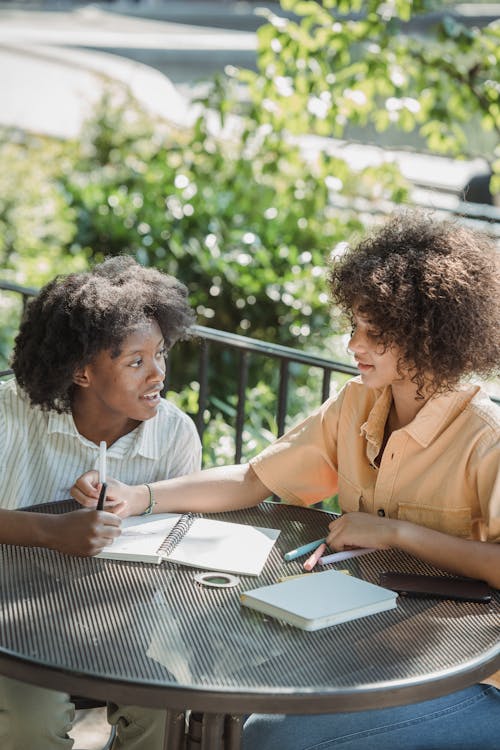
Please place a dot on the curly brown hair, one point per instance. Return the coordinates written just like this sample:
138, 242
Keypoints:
432, 289
76, 316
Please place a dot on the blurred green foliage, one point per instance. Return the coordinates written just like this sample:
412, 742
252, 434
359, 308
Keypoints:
341, 63
36, 220
235, 210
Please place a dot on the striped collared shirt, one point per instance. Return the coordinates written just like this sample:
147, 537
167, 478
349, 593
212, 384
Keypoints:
42, 453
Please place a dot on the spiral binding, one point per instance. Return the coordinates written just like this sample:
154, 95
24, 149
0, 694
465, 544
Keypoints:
177, 533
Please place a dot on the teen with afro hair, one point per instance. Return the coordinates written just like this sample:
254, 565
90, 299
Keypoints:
411, 445
89, 366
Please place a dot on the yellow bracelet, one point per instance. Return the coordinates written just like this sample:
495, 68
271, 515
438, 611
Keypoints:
152, 502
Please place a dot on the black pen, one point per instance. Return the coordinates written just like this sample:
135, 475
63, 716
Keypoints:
102, 475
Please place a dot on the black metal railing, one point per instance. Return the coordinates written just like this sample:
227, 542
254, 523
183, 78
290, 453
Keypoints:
246, 348
24, 291
286, 356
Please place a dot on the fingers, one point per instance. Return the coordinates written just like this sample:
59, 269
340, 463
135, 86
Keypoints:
119, 509
105, 532
85, 500
335, 530
101, 538
342, 536
116, 498
86, 492
109, 521
358, 529
84, 532
86, 489
88, 482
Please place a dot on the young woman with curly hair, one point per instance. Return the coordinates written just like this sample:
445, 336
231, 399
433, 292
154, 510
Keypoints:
411, 447
89, 366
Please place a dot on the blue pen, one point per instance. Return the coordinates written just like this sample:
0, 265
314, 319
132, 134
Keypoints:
294, 553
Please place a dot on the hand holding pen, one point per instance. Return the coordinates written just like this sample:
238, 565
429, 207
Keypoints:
102, 475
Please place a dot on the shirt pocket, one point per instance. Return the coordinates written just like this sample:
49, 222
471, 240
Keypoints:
453, 521
349, 495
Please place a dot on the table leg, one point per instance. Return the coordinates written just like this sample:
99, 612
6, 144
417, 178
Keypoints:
212, 731
175, 727
232, 732
194, 731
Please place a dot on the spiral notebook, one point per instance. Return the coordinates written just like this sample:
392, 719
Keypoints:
188, 539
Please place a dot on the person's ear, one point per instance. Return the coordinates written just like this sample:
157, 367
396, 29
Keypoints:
81, 377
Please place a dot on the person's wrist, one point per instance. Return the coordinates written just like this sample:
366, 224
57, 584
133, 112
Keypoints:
398, 531
44, 530
151, 501
139, 500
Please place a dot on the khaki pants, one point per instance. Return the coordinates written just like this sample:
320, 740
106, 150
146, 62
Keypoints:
33, 718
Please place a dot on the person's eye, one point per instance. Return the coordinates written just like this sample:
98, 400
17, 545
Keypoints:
162, 353
136, 363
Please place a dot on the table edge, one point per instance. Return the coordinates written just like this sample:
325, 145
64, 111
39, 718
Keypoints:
381, 695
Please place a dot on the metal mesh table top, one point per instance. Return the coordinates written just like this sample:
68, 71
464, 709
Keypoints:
150, 634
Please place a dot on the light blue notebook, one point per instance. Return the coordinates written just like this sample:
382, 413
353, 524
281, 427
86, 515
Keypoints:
319, 600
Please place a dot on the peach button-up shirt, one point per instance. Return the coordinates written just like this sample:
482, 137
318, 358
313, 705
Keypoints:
442, 470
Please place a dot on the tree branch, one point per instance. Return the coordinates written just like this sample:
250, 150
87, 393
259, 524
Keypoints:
466, 80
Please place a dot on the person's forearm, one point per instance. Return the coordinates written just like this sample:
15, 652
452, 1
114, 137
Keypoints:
463, 557
212, 490
24, 529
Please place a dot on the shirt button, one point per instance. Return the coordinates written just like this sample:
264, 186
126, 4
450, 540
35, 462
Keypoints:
381, 512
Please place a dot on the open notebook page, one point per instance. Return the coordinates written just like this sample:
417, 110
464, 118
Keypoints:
209, 544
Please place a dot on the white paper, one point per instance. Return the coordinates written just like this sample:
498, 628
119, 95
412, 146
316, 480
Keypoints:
228, 547
209, 544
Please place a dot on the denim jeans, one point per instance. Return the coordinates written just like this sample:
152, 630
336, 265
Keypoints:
466, 720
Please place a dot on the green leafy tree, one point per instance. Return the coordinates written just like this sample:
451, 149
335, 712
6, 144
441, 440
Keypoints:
385, 64
244, 218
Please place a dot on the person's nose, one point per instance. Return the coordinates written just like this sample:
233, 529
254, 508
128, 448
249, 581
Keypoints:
357, 342
157, 370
